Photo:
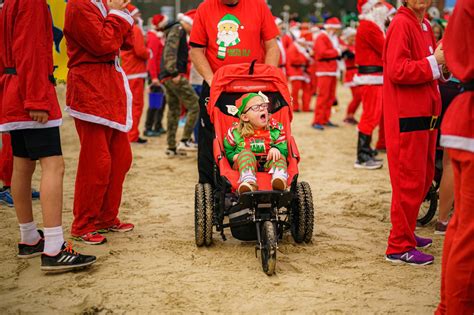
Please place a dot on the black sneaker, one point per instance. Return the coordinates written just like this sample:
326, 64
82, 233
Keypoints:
29, 251
67, 259
141, 141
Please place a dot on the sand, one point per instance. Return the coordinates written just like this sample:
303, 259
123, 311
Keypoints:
158, 269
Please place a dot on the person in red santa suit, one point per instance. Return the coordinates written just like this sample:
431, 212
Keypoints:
326, 53
156, 43
99, 98
299, 60
457, 135
348, 38
134, 65
284, 42
411, 104
369, 45
312, 67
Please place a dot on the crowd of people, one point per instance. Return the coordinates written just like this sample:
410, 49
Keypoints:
391, 61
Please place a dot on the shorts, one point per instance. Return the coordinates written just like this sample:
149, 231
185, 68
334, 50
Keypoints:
35, 144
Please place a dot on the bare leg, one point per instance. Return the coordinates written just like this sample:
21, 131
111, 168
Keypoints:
52, 190
446, 189
23, 169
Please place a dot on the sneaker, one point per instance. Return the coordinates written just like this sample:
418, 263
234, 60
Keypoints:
278, 183
368, 165
318, 126
140, 141
440, 228
422, 242
122, 227
412, 257
35, 195
151, 133
6, 198
161, 130
332, 125
66, 259
351, 121
92, 238
29, 251
186, 146
247, 187
171, 153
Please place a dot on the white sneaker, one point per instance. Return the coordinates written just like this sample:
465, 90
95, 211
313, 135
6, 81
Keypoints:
187, 146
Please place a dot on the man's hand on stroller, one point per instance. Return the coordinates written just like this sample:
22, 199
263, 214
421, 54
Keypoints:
273, 155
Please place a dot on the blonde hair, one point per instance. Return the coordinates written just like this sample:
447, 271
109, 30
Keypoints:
246, 129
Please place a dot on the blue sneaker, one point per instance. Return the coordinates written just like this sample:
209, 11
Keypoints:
332, 125
422, 242
318, 127
6, 197
35, 195
412, 257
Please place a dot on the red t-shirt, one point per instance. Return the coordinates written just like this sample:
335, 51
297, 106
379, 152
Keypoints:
233, 34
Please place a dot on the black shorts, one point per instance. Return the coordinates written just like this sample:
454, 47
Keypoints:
35, 144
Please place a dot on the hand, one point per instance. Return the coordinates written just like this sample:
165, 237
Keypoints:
118, 4
39, 116
209, 79
439, 55
273, 155
155, 82
235, 157
176, 79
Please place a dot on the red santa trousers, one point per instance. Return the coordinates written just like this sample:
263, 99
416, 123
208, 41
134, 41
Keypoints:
356, 99
381, 140
137, 87
6, 160
326, 96
104, 160
371, 108
457, 276
296, 87
411, 157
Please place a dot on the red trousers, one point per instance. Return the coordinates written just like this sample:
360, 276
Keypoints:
356, 99
296, 87
137, 86
457, 276
104, 160
381, 141
371, 108
411, 157
326, 97
6, 160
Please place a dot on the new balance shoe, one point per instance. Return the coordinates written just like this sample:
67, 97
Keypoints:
412, 257
186, 146
35, 195
6, 197
422, 242
31, 250
92, 238
122, 227
66, 259
440, 228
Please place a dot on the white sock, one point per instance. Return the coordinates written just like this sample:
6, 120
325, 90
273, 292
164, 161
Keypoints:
53, 240
29, 233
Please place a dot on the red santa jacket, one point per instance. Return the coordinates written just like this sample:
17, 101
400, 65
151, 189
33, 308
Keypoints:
26, 56
326, 53
134, 60
410, 70
351, 68
97, 87
156, 43
458, 123
298, 61
369, 46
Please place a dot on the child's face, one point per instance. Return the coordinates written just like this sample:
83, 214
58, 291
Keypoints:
256, 113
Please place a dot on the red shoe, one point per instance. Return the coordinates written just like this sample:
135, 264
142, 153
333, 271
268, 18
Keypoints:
92, 238
122, 227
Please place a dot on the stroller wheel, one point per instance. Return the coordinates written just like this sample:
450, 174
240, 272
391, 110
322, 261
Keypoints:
203, 214
302, 214
269, 248
428, 207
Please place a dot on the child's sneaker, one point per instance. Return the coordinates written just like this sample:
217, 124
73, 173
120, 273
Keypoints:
422, 242
35, 195
440, 228
29, 251
92, 238
6, 197
278, 183
122, 227
247, 187
66, 259
412, 257
186, 146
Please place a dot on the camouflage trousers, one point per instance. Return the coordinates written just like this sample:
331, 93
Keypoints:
177, 94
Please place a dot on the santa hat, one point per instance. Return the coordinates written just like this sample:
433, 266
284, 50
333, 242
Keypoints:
159, 21
132, 9
305, 37
391, 8
333, 22
304, 26
348, 32
278, 21
364, 6
187, 17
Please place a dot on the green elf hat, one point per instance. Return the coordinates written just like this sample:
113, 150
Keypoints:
241, 103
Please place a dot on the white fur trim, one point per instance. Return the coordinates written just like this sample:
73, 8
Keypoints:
123, 15
18, 125
337, 26
350, 84
135, 11
227, 21
163, 23
100, 6
299, 78
278, 21
184, 18
142, 75
369, 5
302, 51
327, 74
368, 79
434, 67
442, 77
457, 142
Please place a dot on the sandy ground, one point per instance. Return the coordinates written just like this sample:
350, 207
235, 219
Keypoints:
157, 267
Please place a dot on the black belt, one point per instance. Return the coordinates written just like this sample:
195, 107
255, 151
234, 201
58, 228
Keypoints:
12, 71
419, 123
351, 68
468, 86
370, 69
329, 59
298, 66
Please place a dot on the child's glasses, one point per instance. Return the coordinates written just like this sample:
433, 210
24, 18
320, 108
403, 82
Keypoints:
257, 107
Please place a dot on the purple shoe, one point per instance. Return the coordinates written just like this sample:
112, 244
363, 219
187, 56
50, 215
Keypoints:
422, 242
412, 257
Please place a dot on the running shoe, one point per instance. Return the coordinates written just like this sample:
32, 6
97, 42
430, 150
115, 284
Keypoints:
151, 133
92, 238
318, 127
351, 121
422, 242
440, 228
35, 195
171, 153
331, 124
370, 164
140, 141
412, 257
31, 250
66, 259
186, 146
6, 197
122, 227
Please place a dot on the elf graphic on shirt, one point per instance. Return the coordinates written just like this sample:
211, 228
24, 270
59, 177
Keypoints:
228, 34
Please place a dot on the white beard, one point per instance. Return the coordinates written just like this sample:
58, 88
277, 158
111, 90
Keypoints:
227, 37
379, 16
